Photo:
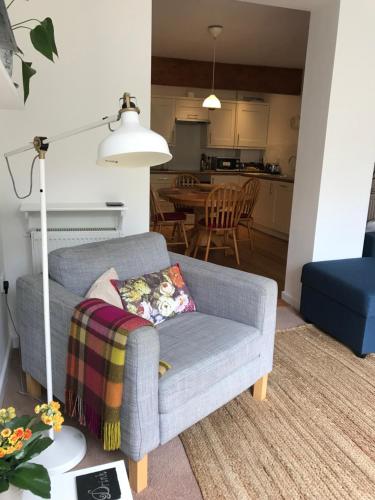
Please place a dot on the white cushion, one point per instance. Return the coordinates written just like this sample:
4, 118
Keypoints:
103, 289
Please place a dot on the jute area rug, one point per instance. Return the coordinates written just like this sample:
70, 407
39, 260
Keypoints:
313, 437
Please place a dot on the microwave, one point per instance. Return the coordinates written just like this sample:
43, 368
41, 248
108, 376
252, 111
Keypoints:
227, 164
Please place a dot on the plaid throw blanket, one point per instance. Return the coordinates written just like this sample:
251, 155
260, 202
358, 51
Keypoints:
95, 367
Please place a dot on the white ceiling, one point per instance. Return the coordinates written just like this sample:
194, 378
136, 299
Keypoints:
253, 34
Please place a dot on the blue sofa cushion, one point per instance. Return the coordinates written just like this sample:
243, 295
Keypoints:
349, 281
202, 350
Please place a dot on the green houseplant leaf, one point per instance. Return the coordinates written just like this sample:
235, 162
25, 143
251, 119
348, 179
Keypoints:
27, 73
4, 484
48, 25
41, 40
34, 448
33, 477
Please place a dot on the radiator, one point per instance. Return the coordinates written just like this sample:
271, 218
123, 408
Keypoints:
65, 237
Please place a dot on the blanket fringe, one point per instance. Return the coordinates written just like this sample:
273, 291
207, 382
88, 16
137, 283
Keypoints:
112, 436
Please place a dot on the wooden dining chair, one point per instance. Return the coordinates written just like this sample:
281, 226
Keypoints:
185, 181
161, 219
223, 209
251, 192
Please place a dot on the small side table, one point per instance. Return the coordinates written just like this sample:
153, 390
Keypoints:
63, 486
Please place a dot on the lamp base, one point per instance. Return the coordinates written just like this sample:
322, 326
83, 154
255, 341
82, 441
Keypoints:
66, 451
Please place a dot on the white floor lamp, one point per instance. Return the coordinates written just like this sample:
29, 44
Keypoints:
129, 145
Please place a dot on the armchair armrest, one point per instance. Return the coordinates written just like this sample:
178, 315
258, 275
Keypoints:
230, 293
140, 411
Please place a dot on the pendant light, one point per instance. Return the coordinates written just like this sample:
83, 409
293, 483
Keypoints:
212, 102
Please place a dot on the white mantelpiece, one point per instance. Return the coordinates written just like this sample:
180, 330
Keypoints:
76, 215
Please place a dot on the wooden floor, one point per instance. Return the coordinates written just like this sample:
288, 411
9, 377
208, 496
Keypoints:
267, 259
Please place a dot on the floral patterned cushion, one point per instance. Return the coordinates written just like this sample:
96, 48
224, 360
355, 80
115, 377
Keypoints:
156, 296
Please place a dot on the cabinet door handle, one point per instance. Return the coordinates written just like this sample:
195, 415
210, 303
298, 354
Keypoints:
238, 139
162, 178
192, 116
210, 137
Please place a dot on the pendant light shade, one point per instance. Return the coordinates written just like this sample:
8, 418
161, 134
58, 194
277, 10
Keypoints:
132, 145
211, 102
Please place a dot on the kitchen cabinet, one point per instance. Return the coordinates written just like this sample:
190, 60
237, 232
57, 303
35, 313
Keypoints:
191, 110
263, 210
221, 129
282, 206
251, 125
273, 209
228, 179
163, 113
159, 181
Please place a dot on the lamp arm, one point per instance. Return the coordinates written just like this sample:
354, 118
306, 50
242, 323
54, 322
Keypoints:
104, 121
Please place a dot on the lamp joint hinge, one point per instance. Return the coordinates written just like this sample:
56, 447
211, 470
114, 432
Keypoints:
40, 147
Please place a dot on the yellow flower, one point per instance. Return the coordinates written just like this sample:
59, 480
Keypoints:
47, 420
37, 409
10, 450
2, 452
57, 428
19, 445
5, 433
55, 405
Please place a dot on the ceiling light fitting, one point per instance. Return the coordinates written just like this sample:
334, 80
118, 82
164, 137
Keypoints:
212, 102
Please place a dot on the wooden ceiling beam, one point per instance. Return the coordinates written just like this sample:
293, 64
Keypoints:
187, 73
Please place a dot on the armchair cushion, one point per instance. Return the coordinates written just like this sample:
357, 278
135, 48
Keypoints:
76, 268
202, 350
156, 296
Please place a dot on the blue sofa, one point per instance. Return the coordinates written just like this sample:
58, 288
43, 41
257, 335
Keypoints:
339, 297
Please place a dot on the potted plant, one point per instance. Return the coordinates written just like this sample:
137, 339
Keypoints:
42, 38
22, 439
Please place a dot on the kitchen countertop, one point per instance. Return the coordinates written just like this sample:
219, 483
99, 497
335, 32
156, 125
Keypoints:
260, 175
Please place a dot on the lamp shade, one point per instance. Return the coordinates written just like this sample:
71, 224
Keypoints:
211, 102
132, 145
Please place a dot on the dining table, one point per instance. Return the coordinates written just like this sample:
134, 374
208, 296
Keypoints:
193, 197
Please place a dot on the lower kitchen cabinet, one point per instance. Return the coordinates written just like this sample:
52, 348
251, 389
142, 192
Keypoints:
282, 206
159, 181
263, 211
274, 207
228, 179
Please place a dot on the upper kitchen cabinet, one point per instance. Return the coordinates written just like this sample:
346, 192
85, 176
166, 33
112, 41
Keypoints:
221, 129
190, 110
163, 113
252, 125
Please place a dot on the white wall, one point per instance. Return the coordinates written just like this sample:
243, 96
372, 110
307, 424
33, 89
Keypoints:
336, 149
282, 138
104, 49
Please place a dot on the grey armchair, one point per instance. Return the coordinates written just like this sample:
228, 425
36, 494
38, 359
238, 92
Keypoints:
216, 353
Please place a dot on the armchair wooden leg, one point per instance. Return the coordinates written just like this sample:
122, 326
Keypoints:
260, 388
138, 474
33, 387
